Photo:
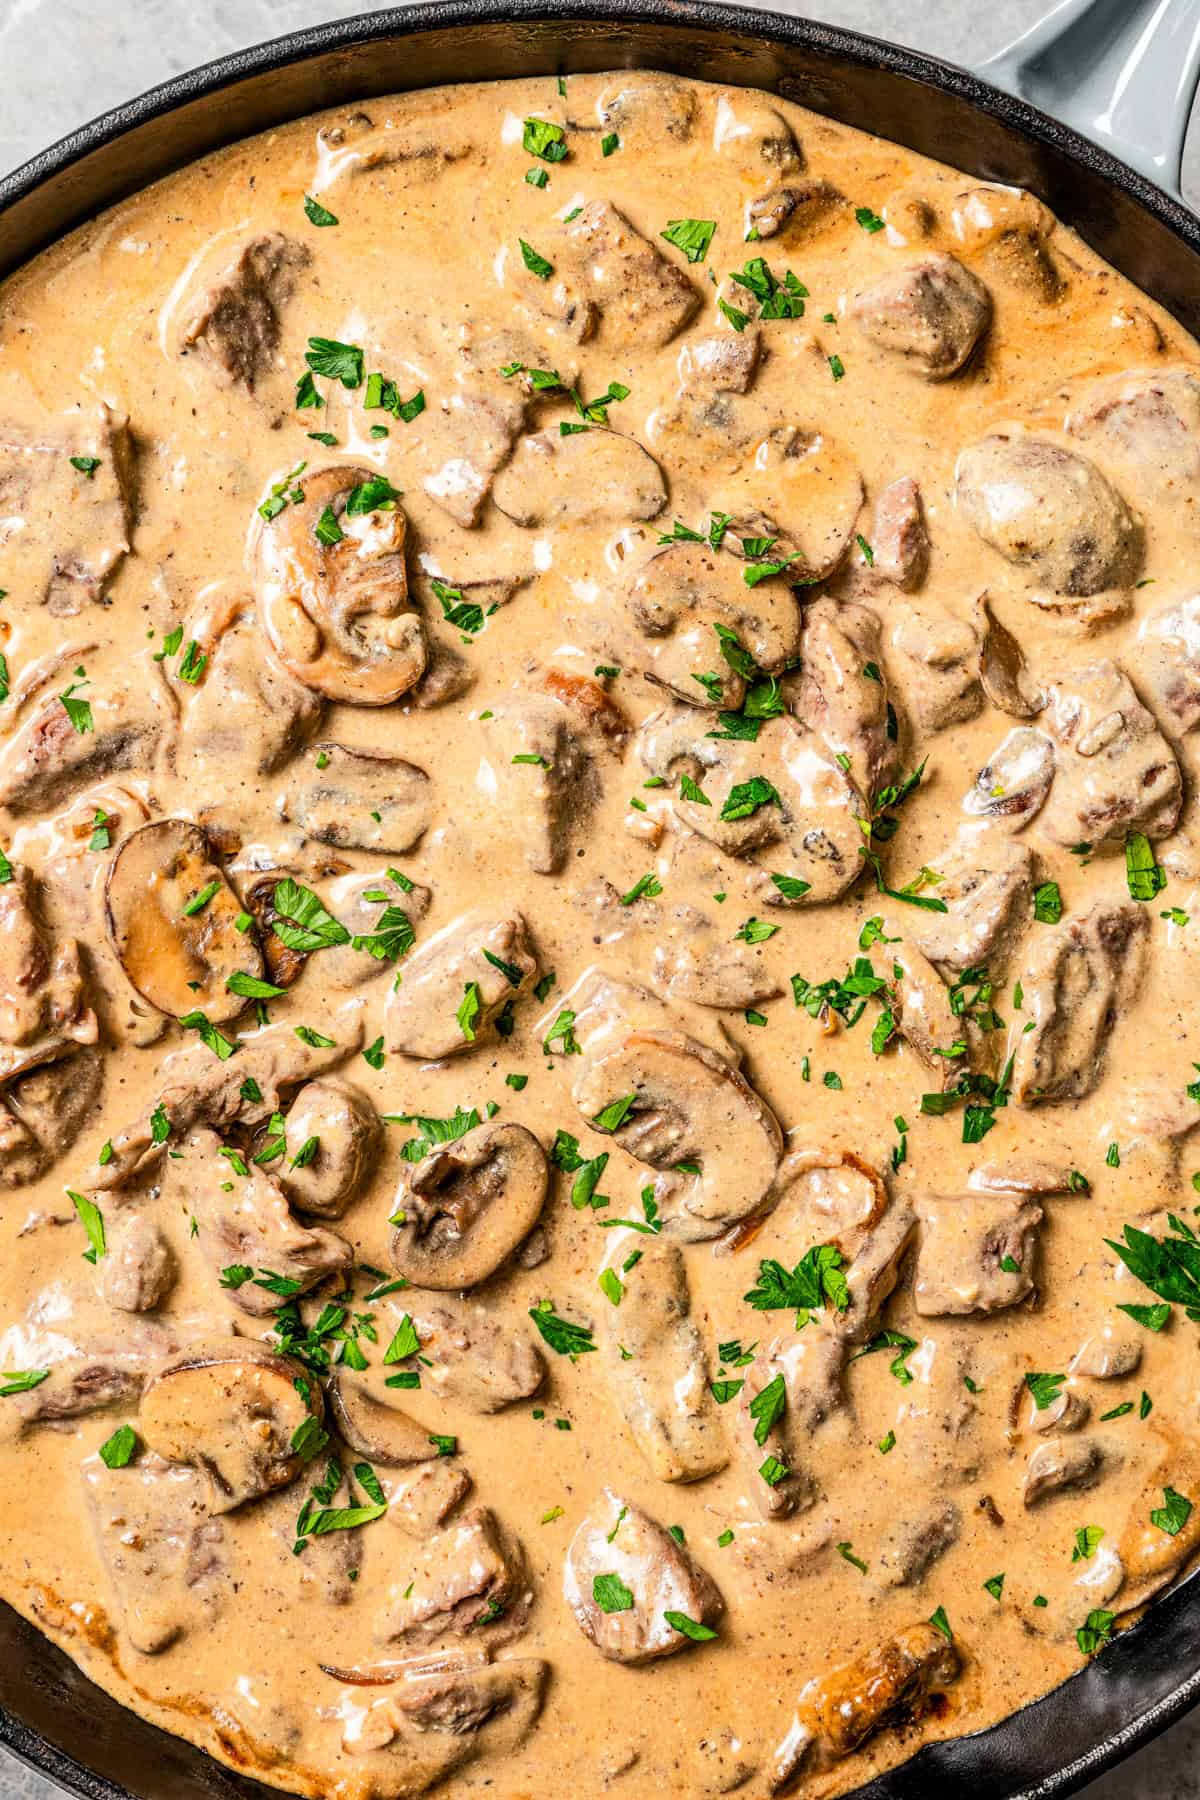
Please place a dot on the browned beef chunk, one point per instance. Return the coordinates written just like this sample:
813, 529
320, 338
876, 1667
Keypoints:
620, 1551
76, 516
449, 968
988, 890
931, 314
1059, 1463
1049, 511
899, 539
1079, 977
1115, 772
137, 1269
977, 1253
658, 1374
782, 1459
1168, 662
836, 697
165, 1557
468, 1582
474, 1359
46, 761
235, 321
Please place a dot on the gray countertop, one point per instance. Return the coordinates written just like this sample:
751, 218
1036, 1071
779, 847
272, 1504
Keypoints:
103, 54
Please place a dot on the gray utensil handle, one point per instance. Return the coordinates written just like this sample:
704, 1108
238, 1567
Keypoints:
1122, 72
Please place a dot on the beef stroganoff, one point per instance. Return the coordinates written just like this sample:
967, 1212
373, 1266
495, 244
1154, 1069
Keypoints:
600, 906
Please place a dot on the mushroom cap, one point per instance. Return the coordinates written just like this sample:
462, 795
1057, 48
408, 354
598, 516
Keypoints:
338, 615
234, 1411
467, 1205
376, 1430
179, 960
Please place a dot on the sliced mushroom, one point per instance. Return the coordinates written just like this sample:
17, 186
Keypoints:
462, 1210
618, 1540
474, 966
360, 800
684, 601
800, 488
798, 210
336, 608
1115, 771
785, 788
536, 774
333, 1139
172, 920
689, 1106
931, 314
1049, 511
593, 477
885, 1685
377, 1431
1061, 1463
235, 1412
1112, 1351
284, 963
1002, 671
1015, 780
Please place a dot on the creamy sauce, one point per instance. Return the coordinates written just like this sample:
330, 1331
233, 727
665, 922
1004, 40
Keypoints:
244, 621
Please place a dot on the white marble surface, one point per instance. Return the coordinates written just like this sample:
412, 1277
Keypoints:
97, 54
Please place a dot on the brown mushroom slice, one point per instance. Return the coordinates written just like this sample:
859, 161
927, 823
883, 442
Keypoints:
1115, 772
797, 209
335, 607
619, 1541
801, 488
333, 1138
689, 1106
1002, 672
1049, 511
172, 921
473, 967
284, 964
841, 1709
380, 1432
1015, 780
463, 1209
360, 799
237, 1412
683, 598
1009, 228
1061, 1463
593, 477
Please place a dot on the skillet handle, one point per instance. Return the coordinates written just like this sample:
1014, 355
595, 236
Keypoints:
1121, 72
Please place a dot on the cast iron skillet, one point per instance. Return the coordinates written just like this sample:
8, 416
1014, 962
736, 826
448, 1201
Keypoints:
1096, 60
